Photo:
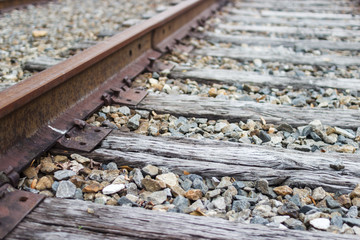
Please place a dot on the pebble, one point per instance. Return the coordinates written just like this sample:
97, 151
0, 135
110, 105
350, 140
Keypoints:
44, 183
240, 205
152, 185
66, 189
150, 170
113, 188
124, 201
219, 203
194, 194
169, 179
64, 174
320, 223
181, 203
157, 197
259, 220
92, 188
283, 190
138, 177
112, 166
262, 186
225, 182
80, 158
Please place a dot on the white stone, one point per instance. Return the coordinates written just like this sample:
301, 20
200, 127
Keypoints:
316, 124
319, 194
279, 219
169, 179
356, 230
219, 203
320, 223
343, 132
113, 188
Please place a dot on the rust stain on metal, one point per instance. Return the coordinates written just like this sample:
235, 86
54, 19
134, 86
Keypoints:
128, 96
8, 5
84, 137
14, 206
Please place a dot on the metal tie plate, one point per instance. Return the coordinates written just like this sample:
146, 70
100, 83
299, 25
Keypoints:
84, 138
14, 206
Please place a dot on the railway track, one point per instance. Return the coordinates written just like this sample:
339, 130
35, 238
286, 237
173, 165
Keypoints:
248, 114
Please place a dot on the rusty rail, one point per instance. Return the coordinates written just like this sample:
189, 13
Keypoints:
8, 5
35, 113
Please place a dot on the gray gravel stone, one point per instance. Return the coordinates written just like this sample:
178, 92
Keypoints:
134, 122
352, 221
55, 185
240, 205
199, 184
64, 174
259, 220
181, 203
294, 224
290, 209
225, 182
337, 221
219, 203
353, 212
143, 113
112, 166
138, 177
262, 186
66, 189
79, 194
238, 185
264, 136
186, 184
331, 203
296, 199
124, 110
150, 170
124, 201
157, 197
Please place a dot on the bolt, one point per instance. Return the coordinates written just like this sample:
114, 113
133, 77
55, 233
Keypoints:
152, 61
116, 91
127, 81
107, 99
80, 123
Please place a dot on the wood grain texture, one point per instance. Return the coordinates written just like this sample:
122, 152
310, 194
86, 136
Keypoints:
300, 15
292, 22
222, 158
294, 7
276, 55
307, 2
232, 77
300, 32
68, 219
212, 108
285, 42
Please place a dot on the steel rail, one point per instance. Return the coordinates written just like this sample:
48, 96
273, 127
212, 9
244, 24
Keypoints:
8, 5
38, 111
